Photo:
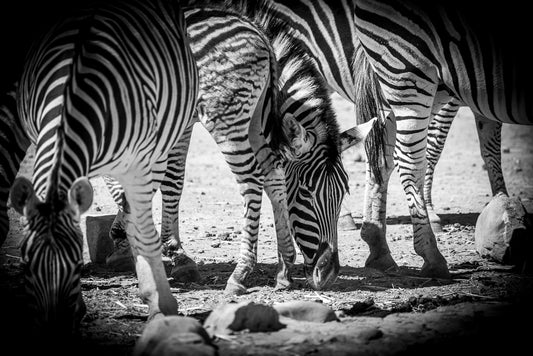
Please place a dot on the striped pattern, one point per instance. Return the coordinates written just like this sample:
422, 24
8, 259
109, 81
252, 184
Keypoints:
107, 92
413, 47
237, 102
327, 31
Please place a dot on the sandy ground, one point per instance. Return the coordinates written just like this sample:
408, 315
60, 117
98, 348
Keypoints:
478, 308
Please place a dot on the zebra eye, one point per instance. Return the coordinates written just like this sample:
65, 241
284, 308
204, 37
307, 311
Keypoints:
306, 193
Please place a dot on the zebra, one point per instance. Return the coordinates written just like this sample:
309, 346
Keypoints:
13, 146
107, 90
316, 182
410, 49
327, 31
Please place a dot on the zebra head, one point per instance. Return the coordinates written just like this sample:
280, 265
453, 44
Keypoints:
52, 253
316, 184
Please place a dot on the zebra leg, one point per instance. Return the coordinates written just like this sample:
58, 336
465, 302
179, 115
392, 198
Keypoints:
444, 110
121, 259
489, 133
184, 269
411, 141
373, 228
242, 161
276, 189
251, 181
146, 245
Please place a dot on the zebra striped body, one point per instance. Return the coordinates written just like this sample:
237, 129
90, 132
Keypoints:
413, 47
107, 91
329, 34
237, 104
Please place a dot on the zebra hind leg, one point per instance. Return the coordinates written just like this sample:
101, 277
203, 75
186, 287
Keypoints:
444, 110
489, 133
121, 259
182, 267
373, 228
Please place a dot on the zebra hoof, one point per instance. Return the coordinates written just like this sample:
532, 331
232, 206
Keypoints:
435, 271
233, 288
383, 263
120, 261
283, 285
184, 269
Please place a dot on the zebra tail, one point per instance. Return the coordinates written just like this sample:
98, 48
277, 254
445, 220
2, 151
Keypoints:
369, 104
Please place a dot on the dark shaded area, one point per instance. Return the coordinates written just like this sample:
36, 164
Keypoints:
23, 22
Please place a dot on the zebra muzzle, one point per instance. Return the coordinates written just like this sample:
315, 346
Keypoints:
325, 269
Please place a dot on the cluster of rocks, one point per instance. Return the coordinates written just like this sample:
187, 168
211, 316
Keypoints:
179, 335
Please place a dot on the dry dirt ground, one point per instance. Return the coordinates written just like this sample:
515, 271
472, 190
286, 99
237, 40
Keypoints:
479, 309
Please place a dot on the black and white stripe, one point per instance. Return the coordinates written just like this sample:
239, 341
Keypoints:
413, 47
236, 122
107, 91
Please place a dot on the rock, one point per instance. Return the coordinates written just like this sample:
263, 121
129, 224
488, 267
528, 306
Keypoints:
306, 311
503, 232
361, 307
174, 335
184, 269
230, 317
346, 223
99, 243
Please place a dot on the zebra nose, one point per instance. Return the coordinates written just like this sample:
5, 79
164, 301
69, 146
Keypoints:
324, 270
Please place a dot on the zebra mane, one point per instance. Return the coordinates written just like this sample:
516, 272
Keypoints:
292, 57
298, 71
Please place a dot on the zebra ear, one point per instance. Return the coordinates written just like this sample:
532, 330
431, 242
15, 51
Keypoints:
81, 194
21, 193
300, 141
356, 135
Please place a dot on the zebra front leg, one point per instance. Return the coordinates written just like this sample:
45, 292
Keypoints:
489, 133
184, 269
248, 175
154, 288
276, 190
374, 226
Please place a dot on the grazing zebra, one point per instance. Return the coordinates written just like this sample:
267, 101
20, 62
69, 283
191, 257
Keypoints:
327, 31
13, 145
108, 90
316, 180
415, 46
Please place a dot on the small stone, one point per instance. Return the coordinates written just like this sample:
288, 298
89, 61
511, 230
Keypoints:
181, 335
306, 311
360, 307
346, 223
246, 315
99, 243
